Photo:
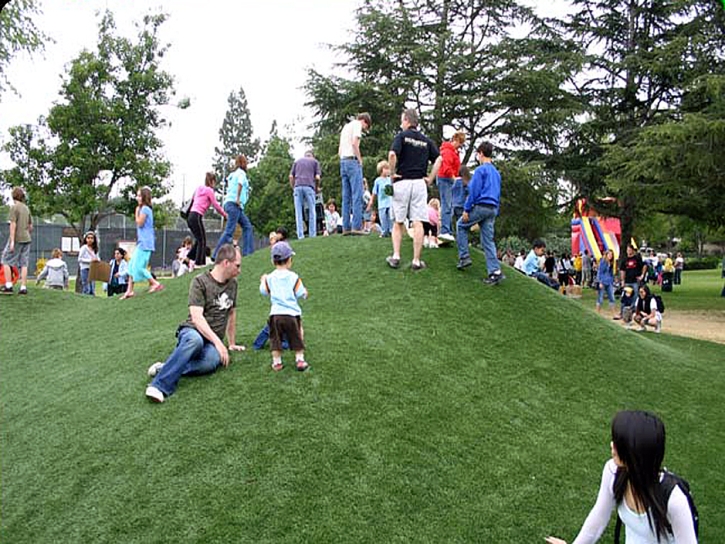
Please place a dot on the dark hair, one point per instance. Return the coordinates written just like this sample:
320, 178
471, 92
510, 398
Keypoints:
227, 252
210, 179
95, 240
639, 438
145, 196
539, 243
282, 234
365, 116
18, 194
121, 251
464, 172
486, 148
648, 293
241, 162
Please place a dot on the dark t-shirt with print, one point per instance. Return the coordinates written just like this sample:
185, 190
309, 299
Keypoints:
216, 298
632, 267
414, 151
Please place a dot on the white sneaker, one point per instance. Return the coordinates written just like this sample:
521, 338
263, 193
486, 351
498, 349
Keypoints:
155, 369
154, 394
659, 327
447, 238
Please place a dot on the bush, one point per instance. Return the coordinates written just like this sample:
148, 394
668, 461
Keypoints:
706, 263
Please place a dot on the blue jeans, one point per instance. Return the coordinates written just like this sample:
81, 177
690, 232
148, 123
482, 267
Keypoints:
352, 189
609, 288
444, 189
193, 356
305, 195
88, 287
236, 215
546, 280
485, 216
386, 224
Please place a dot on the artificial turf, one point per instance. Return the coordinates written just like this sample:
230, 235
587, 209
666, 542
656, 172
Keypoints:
437, 409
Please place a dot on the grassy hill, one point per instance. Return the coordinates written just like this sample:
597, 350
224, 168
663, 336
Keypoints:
437, 409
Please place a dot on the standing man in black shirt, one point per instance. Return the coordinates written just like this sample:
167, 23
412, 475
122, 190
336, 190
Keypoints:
631, 272
409, 156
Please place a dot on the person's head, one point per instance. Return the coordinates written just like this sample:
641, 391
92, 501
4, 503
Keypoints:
539, 247
210, 179
458, 139
228, 260
465, 174
18, 194
409, 119
609, 256
143, 196
56, 253
331, 206
628, 291
282, 233
644, 292
241, 162
188, 242
638, 449
484, 151
90, 239
119, 253
365, 119
679, 254
383, 169
435, 204
586, 252
309, 154
282, 254
630, 250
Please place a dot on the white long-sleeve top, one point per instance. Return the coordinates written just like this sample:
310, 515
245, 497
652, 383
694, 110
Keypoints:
637, 529
86, 256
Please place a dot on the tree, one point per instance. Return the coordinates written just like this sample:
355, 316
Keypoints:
642, 57
236, 134
18, 33
99, 143
271, 204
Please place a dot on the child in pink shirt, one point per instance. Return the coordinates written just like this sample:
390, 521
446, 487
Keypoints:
430, 227
203, 198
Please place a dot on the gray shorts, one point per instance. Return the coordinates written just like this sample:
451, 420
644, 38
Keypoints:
20, 257
410, 200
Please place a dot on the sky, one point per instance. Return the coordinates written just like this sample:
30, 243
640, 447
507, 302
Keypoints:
217, 46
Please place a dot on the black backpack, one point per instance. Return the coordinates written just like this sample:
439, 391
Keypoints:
660, 303
669, 481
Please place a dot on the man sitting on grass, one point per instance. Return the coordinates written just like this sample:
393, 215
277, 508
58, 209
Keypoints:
532, 268
212, 312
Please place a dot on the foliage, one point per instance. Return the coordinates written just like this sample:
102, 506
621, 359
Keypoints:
166, 214
236, 135
18, 33
99, 143
271, 204
704, 263
418, 422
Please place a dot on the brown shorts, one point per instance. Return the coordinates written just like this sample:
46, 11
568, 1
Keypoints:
285, 327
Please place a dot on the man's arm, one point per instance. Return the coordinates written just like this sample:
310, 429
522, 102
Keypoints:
393, 161
317, 183
434, 171
201, 325
232, 332
356, 148
11, 234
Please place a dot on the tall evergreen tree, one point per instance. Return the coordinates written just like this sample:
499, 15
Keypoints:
236, 134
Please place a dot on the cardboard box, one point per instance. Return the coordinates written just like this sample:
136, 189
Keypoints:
100, 271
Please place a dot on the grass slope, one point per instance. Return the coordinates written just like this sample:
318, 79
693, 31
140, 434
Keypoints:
436, 410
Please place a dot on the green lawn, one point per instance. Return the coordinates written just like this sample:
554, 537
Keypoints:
437, 410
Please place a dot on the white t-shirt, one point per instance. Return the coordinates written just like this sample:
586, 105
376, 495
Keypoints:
637, 529
347, 137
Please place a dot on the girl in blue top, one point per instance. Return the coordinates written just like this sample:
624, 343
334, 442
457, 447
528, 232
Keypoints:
138, 267
605, 279
236, 198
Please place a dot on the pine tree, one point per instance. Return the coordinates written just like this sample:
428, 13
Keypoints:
236, 135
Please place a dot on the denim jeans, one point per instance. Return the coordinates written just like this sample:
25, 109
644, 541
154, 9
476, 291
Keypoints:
305, 195
352, 189
485, 216
193, 356
444, 189
546, 280
88, 287
236, 215
386, 224
609, 289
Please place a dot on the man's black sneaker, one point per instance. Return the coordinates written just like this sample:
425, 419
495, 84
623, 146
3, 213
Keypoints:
6, 291
465, 262
494, 278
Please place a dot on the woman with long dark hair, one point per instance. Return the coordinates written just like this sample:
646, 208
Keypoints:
234, 202
632, 483
203, 198
646, 311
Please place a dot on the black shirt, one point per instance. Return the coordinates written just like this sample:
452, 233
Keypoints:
414, 151
632, 267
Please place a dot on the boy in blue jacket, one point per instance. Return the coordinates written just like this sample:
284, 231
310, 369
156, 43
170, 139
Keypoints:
481, 208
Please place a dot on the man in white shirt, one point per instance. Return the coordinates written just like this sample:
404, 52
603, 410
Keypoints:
351, 172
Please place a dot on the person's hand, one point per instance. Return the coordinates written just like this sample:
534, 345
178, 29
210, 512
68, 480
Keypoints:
428, 180
554, 540
601, 286
237, 347
263, 277
12, 246
465, 217
223, 353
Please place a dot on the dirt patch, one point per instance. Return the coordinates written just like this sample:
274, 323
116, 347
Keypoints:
708, 325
